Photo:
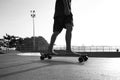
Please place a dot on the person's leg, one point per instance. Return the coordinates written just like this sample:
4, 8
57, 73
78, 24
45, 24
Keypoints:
57, 28
69, 27
68, 37
53, 38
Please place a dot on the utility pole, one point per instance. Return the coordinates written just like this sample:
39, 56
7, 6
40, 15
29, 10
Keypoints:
33, 16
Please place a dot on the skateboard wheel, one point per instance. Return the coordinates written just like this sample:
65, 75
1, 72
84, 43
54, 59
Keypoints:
42, 58
85, 58
80, 59
49, 57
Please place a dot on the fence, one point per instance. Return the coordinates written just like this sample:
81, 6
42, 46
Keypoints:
90, 48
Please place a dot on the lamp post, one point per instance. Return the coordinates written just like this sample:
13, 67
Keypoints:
33, 16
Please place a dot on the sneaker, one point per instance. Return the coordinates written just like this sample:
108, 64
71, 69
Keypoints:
52, 52
69, 52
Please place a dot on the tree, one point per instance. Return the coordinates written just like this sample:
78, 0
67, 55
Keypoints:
12, 41
27, 44
19, 43
1, 42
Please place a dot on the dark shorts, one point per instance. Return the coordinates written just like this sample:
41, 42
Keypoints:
61, 21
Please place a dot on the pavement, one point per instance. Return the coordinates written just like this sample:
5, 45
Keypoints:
28, 66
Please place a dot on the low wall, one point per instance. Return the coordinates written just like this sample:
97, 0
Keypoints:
102, 54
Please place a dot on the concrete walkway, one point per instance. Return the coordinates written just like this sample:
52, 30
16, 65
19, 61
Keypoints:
29, 67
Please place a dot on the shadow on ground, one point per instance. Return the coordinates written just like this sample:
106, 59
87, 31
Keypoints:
47, 63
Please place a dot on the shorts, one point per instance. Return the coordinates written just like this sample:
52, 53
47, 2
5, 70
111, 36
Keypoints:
61, 21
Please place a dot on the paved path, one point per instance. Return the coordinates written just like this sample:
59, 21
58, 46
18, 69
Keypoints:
17, 67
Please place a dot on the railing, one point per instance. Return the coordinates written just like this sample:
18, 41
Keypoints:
91, 48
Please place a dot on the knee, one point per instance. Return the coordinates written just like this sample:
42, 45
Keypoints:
56, 33
69, 28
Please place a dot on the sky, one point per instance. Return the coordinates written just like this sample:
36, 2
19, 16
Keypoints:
96, 22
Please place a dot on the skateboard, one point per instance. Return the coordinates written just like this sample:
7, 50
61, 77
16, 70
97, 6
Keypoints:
81, 57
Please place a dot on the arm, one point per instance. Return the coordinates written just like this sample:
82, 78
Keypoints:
66, 7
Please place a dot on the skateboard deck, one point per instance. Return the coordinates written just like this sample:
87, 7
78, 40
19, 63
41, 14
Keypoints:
45, 54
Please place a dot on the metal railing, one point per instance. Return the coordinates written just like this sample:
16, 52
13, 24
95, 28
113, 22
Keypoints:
90, 48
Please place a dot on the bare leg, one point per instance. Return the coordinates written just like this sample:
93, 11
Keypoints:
53, 38
68, 38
